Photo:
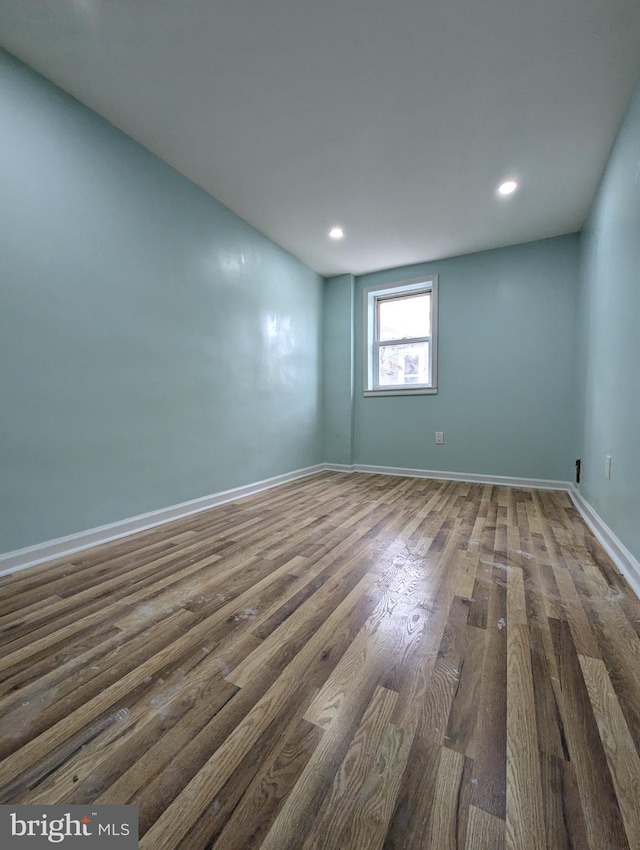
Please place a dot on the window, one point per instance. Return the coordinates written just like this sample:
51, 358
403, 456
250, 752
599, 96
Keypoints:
401, 338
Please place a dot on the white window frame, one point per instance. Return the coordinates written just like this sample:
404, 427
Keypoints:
372, 296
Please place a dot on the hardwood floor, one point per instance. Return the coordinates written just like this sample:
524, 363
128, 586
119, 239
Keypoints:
346, 661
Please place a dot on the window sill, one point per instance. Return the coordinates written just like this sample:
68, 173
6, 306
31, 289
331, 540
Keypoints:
403, 391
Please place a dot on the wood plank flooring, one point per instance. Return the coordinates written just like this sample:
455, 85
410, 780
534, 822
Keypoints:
344, 662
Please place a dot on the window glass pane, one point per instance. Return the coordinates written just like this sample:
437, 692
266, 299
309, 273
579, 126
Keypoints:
400, 365
403, 318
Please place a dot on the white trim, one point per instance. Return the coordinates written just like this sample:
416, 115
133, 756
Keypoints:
401, 391
440, 475
468, 477
20, 559
64, 546
615, 549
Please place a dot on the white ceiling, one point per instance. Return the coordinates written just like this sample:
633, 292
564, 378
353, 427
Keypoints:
393, 118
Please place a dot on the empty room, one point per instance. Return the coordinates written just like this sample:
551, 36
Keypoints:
320, 425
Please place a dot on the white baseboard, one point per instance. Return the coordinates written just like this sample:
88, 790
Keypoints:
20, 559
467, 477
615, 549
64, 546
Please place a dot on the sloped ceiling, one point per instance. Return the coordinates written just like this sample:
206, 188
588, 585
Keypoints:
396, 120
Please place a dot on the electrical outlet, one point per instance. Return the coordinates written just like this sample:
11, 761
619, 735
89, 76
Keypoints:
607, 466
439, 438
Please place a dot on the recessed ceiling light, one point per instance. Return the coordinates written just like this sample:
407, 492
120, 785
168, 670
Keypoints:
508, 187
336, 233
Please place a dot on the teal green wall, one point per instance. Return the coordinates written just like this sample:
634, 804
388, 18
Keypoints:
153, 346
337, 369
610, 338
506, 376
